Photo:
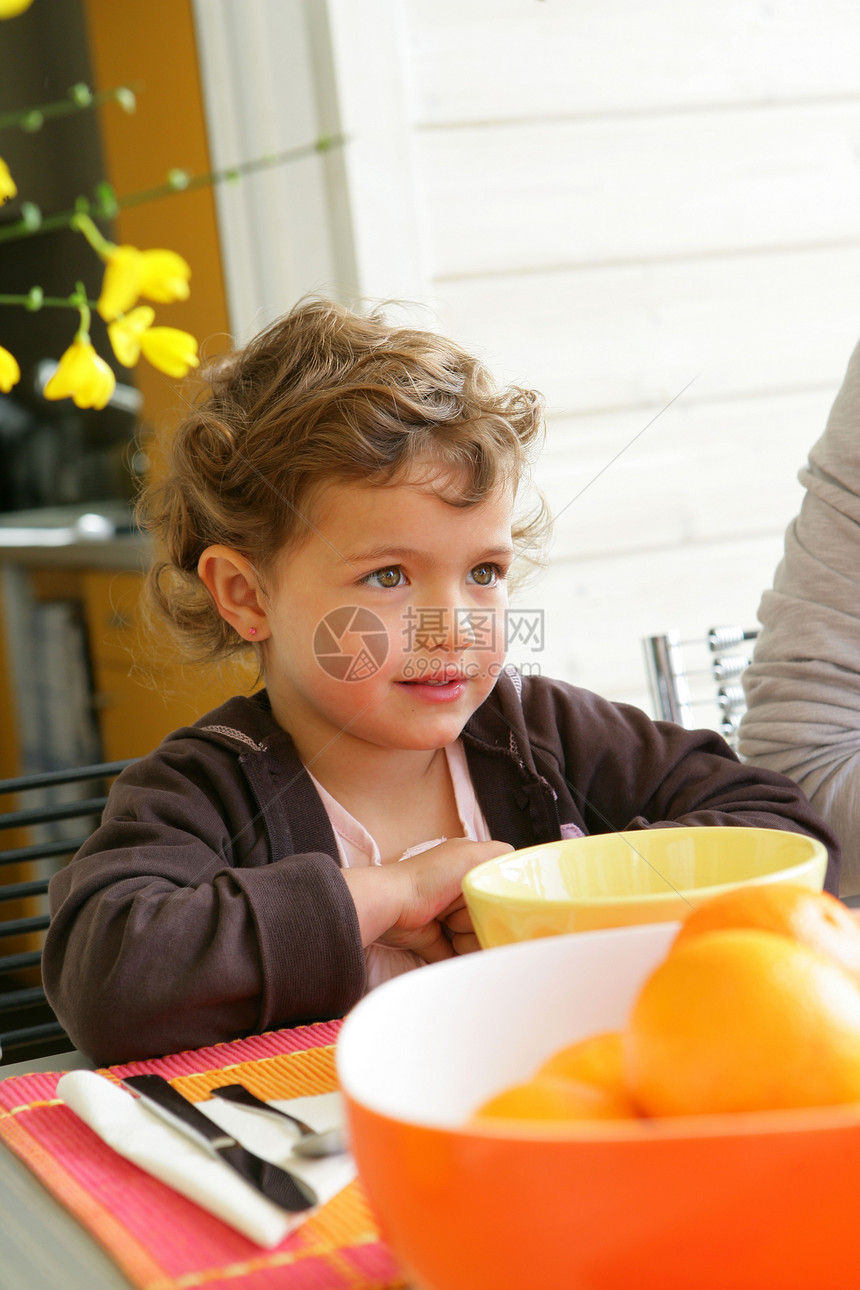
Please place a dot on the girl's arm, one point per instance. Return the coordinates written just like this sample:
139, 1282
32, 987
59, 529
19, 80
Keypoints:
172, 929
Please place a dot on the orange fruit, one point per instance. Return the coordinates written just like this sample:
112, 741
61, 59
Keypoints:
813, 918
597, 1059
555, 1099
743, 1020
583, 1081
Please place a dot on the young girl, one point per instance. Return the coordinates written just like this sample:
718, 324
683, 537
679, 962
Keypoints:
343, 504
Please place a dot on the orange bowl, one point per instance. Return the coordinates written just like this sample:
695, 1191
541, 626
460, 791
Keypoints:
742, 1202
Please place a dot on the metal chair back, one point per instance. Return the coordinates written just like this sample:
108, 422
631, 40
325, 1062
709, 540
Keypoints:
44, 819
698, 682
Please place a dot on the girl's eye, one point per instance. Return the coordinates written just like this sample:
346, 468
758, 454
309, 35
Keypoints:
390, 577
485, 575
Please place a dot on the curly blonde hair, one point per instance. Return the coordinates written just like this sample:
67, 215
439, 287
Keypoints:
324, 394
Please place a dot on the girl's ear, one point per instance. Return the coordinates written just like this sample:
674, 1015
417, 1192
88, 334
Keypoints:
232, 583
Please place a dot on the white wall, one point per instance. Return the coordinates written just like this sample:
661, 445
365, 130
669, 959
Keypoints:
650, 212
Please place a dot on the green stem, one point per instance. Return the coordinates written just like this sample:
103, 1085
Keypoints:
83, 332
50, 302
231, 173
182, 184
84, 224
81, 100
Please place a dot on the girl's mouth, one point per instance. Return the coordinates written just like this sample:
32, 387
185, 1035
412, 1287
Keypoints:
438, 689
436, 676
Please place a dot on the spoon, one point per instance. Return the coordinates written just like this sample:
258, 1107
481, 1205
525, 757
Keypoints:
311, 1143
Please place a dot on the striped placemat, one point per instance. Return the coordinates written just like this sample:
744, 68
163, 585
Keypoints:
159, 1239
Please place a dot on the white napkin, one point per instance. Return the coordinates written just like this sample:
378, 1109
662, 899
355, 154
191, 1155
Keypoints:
140, 1135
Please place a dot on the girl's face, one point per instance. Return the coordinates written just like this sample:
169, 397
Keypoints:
387, 625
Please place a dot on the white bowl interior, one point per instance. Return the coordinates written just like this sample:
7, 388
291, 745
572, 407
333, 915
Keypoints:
430, 1045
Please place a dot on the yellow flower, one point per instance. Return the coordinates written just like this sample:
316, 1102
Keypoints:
165, 277
129, 273
170, 350
11, 8
121, 282
82, 376
8, 187
125, 333
10, 372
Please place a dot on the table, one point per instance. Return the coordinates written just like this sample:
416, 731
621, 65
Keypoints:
69, 1257
165, 1240
43, 1246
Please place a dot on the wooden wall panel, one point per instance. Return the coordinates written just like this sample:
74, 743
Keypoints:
701, 473
497, 60
566, 193
636, 335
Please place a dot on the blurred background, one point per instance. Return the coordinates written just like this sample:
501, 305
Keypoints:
651, 213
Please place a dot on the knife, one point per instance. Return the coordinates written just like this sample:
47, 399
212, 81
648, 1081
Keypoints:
285, 1189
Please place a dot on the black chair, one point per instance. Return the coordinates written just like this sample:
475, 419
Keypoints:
55, 813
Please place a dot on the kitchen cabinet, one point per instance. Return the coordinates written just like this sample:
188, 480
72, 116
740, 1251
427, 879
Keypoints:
141, 689
84, 676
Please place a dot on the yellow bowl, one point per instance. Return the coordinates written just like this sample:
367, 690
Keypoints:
620, 879
763, 1201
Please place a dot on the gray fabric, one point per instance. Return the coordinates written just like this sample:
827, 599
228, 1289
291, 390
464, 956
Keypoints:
803, 686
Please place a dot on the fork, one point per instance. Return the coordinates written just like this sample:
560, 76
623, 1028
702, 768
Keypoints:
311, 1143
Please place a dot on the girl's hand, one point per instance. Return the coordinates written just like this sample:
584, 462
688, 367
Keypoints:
449, 934
457, 925
409, 904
